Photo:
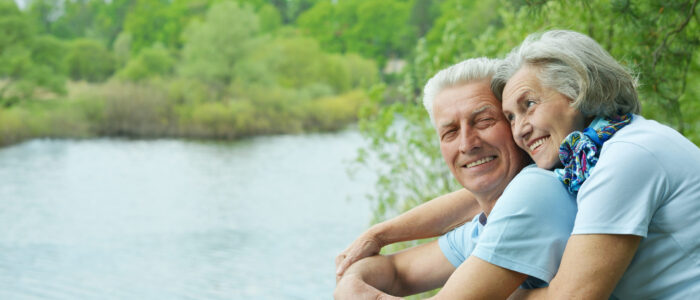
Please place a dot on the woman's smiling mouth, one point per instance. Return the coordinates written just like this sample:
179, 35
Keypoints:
537, 143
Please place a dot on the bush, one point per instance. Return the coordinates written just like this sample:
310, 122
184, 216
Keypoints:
333, 113
151, 62
137, 110
89, 60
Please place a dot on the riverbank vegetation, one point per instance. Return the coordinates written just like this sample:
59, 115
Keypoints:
184, 68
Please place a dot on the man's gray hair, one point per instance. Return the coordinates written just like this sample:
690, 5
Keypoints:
576, 66
470, 70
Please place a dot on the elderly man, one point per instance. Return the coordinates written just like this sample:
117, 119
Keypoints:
515, 241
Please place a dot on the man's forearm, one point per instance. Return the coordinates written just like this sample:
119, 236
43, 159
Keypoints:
430, 219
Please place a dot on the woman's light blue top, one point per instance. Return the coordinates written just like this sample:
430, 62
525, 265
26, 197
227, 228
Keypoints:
647, 183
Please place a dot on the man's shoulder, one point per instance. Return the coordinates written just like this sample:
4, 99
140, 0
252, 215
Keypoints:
535, 180
534, 188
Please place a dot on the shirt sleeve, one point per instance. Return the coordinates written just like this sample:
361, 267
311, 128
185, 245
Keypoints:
622, 193
458, 243
529, 226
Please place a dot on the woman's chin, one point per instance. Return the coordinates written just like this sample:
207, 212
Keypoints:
549, 164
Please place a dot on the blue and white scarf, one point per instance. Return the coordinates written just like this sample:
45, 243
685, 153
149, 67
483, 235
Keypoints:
580, 150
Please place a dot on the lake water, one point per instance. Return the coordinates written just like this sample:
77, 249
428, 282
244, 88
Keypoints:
172, 219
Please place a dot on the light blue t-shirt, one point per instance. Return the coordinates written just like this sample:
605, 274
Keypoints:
647, 183
526, 231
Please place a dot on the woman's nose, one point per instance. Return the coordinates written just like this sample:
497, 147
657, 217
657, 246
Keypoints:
522, 129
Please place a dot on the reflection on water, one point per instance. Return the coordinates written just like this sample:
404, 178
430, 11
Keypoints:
168, 219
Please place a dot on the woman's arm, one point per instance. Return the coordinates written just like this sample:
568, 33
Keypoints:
478, 279
591, 267
430, 219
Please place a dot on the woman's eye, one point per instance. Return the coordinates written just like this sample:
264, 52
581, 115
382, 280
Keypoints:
529, 103
510, 118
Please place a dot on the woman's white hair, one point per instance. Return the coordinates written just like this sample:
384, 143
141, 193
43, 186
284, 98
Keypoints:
576, 66
470, 70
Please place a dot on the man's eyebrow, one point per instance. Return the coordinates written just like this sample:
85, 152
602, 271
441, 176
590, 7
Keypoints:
482, 109
447, 124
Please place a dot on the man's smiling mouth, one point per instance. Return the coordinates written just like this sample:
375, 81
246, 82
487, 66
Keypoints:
480, 161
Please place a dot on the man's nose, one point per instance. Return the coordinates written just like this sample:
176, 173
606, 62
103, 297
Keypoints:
468, 140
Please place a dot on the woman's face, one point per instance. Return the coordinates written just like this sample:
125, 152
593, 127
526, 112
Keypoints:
540, 117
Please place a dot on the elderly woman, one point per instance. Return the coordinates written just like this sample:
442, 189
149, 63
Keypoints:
574, 109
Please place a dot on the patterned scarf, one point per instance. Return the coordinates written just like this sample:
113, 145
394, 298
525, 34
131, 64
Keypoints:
579, 151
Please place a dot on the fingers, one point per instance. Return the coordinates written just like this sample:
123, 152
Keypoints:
344, 264
339, 259
357, 251
338, 262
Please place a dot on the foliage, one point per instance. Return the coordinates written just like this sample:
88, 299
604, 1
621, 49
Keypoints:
31, 119
375, 29
151, 62
214, 46
297, 62
27, 61
155, 21
89, 60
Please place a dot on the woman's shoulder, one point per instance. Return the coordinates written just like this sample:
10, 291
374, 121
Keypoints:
644, 131
649, 138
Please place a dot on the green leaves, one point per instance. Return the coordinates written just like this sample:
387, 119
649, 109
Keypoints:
89, 60
378, 30
213, 47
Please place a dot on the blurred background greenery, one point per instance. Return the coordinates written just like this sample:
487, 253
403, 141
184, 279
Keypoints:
226, 69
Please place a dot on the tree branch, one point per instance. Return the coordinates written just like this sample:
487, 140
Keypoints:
657, 52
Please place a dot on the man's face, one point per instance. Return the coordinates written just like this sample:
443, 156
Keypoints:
475, 138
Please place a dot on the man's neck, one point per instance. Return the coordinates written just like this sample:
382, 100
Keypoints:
487, 202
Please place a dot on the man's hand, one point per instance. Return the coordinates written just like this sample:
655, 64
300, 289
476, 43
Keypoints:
430, 219
352, 287
365, 245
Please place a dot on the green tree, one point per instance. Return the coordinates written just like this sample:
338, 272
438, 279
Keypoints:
423, 15
109, 20
89, 60
375, 29
214, 47
155, 21
44, 13
27, 61
77, 19
270, 18
151, 62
